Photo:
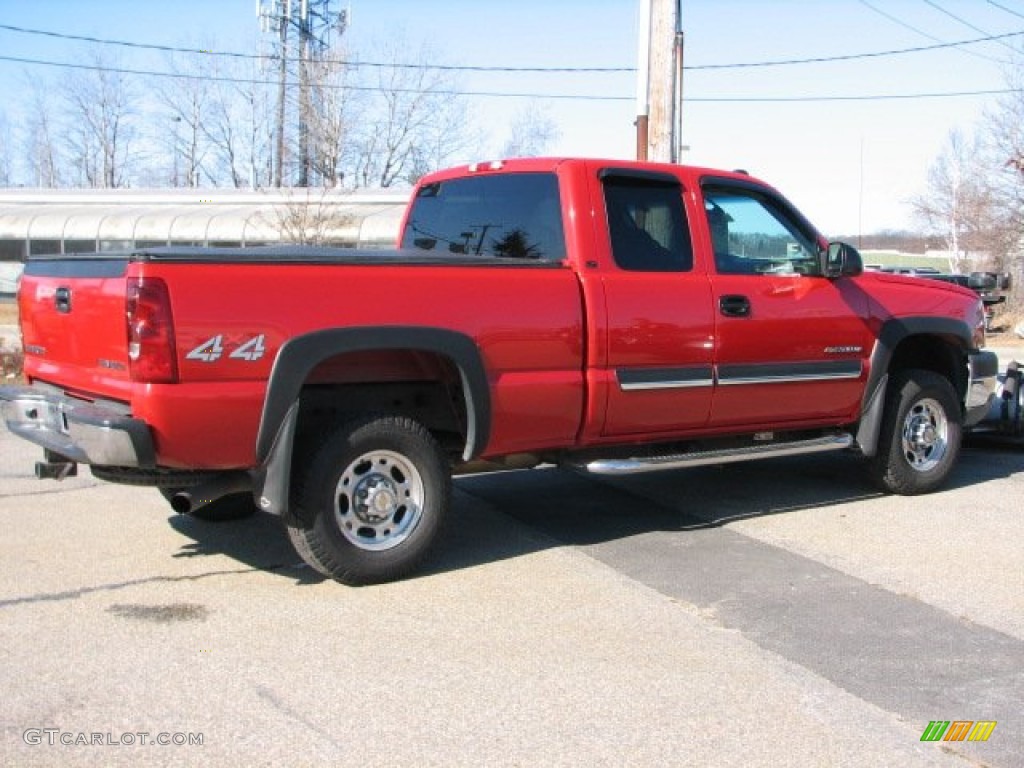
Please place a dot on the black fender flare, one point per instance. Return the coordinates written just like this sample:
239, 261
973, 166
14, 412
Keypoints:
300, 355
894, 331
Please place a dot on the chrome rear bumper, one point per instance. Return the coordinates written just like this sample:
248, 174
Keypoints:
80, 431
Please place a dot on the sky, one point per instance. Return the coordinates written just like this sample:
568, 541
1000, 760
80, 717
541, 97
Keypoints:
851, 165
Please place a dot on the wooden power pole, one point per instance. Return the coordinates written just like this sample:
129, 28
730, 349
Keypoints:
659, 81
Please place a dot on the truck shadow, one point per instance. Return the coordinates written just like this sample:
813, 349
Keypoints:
259, 542
583, 510
508, 515
561, 508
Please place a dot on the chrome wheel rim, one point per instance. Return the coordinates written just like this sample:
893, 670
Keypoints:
378, 501
925, 436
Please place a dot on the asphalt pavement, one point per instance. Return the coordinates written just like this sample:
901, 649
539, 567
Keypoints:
778, 613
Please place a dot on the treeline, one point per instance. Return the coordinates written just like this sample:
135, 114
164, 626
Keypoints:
896, 240
248, 121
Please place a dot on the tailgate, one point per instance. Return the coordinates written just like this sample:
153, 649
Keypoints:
73, 323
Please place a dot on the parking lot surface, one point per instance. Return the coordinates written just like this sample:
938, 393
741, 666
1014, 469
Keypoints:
778, 613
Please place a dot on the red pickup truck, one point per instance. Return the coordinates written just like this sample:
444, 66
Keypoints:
611, 316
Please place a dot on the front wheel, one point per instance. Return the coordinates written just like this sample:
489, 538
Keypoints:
372, 500
921, 430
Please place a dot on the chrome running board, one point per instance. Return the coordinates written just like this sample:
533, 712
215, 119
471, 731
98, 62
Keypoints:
631, 466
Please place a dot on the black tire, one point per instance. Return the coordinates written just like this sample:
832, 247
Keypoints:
298, 540
921, 432
371, 501
234, 506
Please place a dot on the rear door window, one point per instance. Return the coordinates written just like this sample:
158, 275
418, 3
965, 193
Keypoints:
647, 224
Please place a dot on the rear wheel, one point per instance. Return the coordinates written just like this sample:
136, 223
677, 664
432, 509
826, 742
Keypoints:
372, 500
921, 431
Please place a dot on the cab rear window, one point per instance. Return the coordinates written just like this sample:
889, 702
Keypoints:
515, 215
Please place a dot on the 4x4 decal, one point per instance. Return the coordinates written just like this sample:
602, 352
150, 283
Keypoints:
251, 350
211, 350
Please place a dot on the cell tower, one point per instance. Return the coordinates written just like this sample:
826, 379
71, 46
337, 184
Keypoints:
301, 32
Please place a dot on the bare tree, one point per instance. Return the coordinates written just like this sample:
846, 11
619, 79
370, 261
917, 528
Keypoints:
187, 101
308, 217
331, 116
100, 130
531, 132
447, 135
238, 127
410, 120
960, 201
40, 149
6, 152
1004, 132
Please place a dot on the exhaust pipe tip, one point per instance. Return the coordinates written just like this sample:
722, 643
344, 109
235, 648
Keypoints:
181, 502
188, 500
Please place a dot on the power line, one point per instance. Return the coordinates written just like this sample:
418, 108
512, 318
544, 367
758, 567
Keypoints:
953, 16
966, 23
350, 62
255, 81
854, 56
940, 45
1008, 10
898, 21
860, 97
498, 94
915, 30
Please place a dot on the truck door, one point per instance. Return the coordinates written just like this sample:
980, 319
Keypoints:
658, 303
791, 343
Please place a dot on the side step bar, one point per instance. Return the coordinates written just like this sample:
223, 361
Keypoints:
631, 466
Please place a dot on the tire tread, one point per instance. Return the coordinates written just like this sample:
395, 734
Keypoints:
310, 523
887, 468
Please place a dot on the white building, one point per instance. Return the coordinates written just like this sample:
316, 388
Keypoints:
44, 221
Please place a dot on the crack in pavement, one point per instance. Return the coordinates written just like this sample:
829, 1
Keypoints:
74, 594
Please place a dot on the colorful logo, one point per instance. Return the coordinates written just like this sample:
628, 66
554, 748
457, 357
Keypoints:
958, 730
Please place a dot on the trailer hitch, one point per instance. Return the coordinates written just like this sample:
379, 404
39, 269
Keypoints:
56, 467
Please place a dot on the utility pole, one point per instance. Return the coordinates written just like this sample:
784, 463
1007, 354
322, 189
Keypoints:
659, 80
643, 75
315, 21
304, 112
284, 20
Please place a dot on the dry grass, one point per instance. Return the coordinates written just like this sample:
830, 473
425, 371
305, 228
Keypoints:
1003, 327
8, 313
10, 358
10, 365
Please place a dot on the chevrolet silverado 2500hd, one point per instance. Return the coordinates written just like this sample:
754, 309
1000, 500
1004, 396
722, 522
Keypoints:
611, 316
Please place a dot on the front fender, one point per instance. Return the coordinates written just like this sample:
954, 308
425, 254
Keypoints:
894, 332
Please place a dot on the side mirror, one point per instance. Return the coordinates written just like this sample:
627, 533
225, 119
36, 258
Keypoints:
841, 260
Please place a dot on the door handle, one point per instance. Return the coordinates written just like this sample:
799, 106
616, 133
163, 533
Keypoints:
734, 306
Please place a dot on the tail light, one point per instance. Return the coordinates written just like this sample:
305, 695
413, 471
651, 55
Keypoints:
151, 349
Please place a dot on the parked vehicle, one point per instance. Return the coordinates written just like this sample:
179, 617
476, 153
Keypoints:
988, 285
610, 316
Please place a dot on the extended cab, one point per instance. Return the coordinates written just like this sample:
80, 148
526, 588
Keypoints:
610, 316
